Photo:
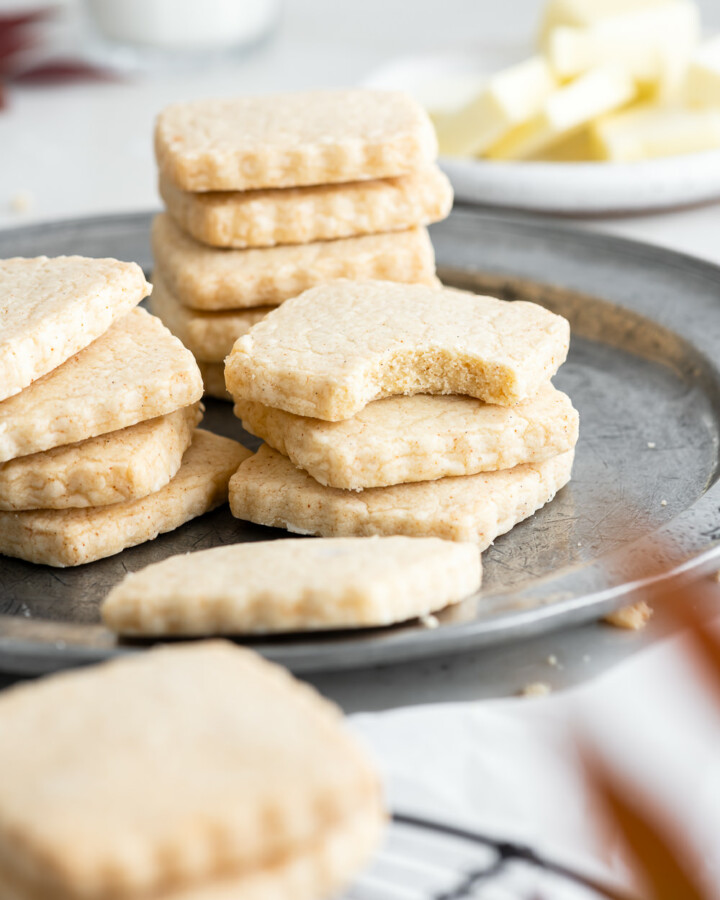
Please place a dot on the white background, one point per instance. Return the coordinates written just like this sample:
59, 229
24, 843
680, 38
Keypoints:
86, 149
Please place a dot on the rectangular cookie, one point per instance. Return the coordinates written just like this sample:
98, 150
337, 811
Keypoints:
209, 336
173, 773
302, 215
213, 376
137, 370
72, 537
293, 585
421, 438
209, 278
269, 490
111, 468
52, 308
291, 139
330, 351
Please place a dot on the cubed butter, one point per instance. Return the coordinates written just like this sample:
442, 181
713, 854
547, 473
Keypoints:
579, 147
506, 99
567, 111
655, 45
703, 80
650, 131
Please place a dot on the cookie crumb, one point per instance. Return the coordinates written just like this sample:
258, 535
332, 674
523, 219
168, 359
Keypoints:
632, 617
651, 445
663, 503
21, 202
429, 621
536, 689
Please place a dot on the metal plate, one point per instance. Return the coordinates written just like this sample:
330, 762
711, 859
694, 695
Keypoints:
643, 503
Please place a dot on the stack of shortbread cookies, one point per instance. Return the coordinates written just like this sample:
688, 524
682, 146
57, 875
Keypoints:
269, 196
98, 411
401, 409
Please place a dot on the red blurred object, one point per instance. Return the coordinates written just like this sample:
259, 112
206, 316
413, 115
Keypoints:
18, 35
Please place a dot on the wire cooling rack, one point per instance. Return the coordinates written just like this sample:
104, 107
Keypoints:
423, 860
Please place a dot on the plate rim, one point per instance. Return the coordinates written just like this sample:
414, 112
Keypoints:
18, 653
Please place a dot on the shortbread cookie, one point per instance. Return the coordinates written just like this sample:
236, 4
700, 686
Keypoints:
51, 308
319, 870
302, 215
293, 585
333, 349
135, 371
209, 336
195, 772
210, 279
269, 490
111, 468
421, 438
286, 140
71, 537
213, 376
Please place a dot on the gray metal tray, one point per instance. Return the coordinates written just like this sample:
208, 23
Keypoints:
643, 503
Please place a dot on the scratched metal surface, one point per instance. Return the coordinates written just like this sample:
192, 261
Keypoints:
643, 502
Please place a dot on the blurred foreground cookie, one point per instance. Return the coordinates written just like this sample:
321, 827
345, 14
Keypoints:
333, 349
206, 278
135, 371
305, 214
209, 336
51, 308
420, 438
285, 140
71, 537
269, 490
294, 585
111, 468
198, 772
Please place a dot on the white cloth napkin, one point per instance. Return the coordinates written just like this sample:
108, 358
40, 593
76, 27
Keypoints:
508, 767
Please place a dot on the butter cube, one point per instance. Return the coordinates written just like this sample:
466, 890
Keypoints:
579, 147
649, 131
654, 44
703, 80
505, 99
565, 112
